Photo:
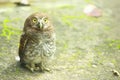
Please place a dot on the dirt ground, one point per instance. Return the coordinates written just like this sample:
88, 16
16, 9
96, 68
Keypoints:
88, 48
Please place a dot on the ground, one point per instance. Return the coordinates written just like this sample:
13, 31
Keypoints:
88, 48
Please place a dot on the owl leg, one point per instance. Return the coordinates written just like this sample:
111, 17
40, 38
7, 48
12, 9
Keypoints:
31, 67
42, 67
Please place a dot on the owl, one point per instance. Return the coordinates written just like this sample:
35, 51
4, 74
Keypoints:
37, 43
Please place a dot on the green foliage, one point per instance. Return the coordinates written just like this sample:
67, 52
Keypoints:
7, 30
66, 7
67, 19
75, 55
108, 46
82, 16
115, 43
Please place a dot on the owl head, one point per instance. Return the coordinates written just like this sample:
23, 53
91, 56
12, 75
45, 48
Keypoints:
37, 21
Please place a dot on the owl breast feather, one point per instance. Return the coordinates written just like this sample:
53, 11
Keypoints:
40, 50
46, 45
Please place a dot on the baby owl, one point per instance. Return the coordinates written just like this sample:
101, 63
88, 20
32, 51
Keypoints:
37, 43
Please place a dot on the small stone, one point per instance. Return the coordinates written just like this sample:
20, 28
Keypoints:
23, 3
94, 66
116, 73
17, 58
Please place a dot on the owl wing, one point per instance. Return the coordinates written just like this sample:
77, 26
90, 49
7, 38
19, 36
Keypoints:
22, 46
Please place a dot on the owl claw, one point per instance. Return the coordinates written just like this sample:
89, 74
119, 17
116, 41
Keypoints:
32, 69
37, 68
45, 69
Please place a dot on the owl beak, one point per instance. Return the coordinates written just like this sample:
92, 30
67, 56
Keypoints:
40, 24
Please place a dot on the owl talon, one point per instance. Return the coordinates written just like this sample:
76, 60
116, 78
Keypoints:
45, 69
37, 68
32, 69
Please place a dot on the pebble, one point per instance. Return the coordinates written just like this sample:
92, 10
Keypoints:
115, 72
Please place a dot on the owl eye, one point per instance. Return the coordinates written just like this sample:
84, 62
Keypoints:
46, 20
34, 20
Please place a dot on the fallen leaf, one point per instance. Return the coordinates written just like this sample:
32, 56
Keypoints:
92, 10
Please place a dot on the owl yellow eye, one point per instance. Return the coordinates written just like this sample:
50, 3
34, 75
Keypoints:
34, 20
46, 20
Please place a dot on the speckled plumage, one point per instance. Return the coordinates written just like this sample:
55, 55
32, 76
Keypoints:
37, 43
